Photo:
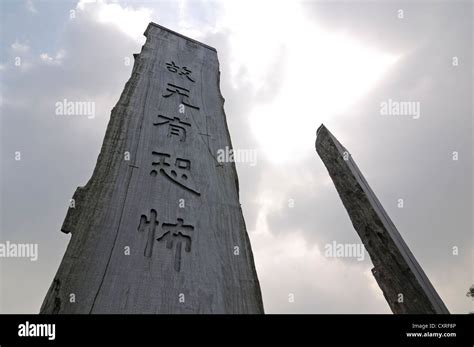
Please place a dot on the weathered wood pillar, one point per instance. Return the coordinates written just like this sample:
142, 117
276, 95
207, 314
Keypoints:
159, 228
404, 284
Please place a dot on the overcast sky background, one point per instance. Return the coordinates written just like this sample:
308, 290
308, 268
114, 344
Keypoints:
286, 67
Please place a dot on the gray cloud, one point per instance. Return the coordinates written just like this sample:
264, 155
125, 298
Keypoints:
400, 157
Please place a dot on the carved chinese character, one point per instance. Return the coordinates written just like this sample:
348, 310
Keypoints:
176, 126
151, 224
172, 67
186, 72
178, 170
173, 89
177, 234
182, 71
174, 234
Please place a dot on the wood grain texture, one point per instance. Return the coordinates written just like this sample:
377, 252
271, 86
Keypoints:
395, 268
191, 259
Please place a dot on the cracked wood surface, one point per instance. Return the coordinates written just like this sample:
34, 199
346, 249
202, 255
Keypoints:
191, 259
395, 267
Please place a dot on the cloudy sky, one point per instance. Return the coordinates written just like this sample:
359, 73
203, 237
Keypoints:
286, 67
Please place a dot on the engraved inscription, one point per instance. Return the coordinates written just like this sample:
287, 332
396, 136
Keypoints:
176, 235
182, 71
173, 89
176, 127
178, 170
149, 224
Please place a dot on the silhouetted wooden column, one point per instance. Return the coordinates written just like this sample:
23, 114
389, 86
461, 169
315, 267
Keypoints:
404, 284
159, 228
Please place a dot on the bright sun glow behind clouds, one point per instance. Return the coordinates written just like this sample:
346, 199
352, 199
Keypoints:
321, 73
130, 20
